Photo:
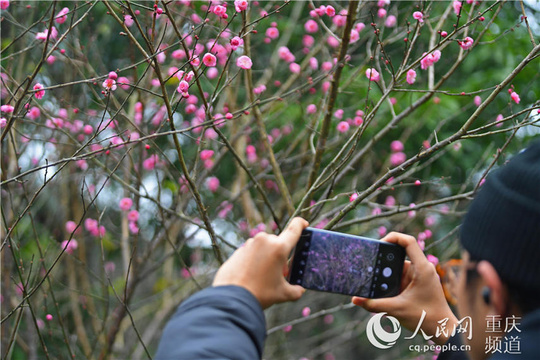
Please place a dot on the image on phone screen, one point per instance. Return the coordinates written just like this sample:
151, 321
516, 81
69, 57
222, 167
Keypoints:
346, 264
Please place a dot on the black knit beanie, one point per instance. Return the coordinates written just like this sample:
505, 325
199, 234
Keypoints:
502, 225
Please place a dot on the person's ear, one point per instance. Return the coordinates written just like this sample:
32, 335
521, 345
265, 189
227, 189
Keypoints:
494, 292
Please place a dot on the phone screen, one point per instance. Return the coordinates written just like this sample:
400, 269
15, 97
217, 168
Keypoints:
346, 264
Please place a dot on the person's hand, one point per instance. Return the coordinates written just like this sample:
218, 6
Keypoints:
260, 266
420, 290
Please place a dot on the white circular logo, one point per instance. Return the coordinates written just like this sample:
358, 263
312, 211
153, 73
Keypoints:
379, 337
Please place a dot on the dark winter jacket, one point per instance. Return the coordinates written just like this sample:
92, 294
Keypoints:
224, 322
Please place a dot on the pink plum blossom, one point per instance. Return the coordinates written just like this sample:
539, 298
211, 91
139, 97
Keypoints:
326, 66
39, 93
259, 89
498, 120
123, 82
391, 21
133, 228
209, 60
212, 73
133, 215
125, 204
226, 207
43, 35
3, 122
183, 87
240, 5
311, 109
287, 328
306, 311
332, 41
311, 26
343, 126
219, 10
212, 183
206, 154
109, 85
340, 20
48, 317
397, 158
515, 96
457, 6
372, 74
70, 226
359, 27
272, 32
396, 146
4, 4
244, 62
70, 245
429, 59
236, 42
294, 68
61, 17
151, 162
314, 63
330, 11
128, 20
7, 108
467, 43
381, 13
411, 213
477, 100
354, 36
285, 54
418, 16
411, 76
390, 201
308, 41
432, 259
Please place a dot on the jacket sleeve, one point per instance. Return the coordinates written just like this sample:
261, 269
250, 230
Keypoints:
224, 322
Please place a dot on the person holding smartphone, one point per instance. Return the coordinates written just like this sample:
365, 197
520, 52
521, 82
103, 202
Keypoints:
498, 282
499, 277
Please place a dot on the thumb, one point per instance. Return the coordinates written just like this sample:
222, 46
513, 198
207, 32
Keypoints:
293, 292
373, 305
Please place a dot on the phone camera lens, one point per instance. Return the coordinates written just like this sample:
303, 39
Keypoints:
390, 257
387, 272
384, 287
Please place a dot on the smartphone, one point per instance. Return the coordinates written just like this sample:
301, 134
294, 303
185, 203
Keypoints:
346, 264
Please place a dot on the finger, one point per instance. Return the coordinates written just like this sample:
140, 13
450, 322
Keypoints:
405, 276
293, 292
285, 270
409, 243
375, 305
291, 234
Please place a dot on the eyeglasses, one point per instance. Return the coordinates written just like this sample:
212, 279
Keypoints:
449, 273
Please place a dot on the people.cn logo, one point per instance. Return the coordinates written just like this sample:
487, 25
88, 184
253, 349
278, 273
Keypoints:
379, 337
